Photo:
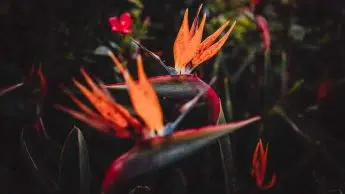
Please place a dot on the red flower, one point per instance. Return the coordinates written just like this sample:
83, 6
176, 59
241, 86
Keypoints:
253, 3
123, 24
259, 166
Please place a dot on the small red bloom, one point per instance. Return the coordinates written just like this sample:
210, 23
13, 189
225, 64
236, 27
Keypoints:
259, 165
253, 3
123, 24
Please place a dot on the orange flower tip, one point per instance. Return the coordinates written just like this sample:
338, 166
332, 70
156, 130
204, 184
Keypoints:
76, 82
233, 26
116, 61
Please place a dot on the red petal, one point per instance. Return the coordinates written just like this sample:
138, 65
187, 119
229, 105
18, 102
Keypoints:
126, 31
114, 21
115, 24
126, 17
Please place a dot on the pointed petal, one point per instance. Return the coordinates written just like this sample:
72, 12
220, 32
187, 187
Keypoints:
212, 50
143, 97
195, 23
90, 82
159, 152
209, 41
154, 120
124, 112
116, 61
81, 105
192, 45
95, 122
181, 41
104, 107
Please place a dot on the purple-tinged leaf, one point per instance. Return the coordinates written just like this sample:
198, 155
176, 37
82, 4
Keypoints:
154, 154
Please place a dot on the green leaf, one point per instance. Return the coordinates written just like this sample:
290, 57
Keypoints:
74, 164
34, 151
10, 88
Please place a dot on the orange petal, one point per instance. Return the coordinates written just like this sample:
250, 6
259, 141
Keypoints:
195, 23
145, 99
181, 41
91, 83
192, 46
210, 51
116, 61
81, 105
94, 121
124, 112
210, 40
106, 97
104, 107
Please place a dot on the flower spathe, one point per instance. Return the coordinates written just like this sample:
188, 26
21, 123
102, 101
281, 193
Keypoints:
189, 49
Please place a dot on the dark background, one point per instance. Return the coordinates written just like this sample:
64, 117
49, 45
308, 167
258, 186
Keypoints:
61, 36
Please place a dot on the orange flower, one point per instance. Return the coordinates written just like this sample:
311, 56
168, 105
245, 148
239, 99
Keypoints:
189, 48
259, 165
144, 98
113, 116
158, 144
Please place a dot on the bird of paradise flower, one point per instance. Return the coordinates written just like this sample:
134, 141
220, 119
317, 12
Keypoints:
157, 144
189, 50
259, 166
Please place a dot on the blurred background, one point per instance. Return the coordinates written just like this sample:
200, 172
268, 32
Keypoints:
285, 59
